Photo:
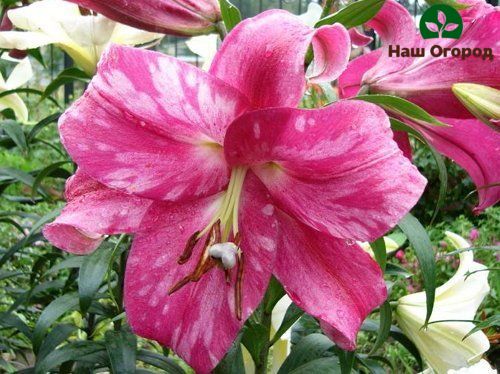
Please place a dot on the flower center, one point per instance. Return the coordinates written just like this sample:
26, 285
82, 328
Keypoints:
222, 242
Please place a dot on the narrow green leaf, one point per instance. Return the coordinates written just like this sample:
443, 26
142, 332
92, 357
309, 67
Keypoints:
380, 252
372, 365
15, 131
233, 360
274, 293
293, 313
230, 14
46, 172
72, 262
402, 107
30, 91
255, 337
453, 3
309, 348
121, 347
346, 361
324, 365
66, 76
384, 326
42, 124
493, 321
419, 240
50, 314
85, 351
92, 272
159, 361
10, 320
56, 337
354, 14
393, 269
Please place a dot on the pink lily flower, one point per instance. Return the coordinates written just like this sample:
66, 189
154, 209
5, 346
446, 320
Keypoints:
239, 185
427, 82
173, 17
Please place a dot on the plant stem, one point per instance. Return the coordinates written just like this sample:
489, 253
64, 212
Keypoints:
221, 29
261, 366
119, 287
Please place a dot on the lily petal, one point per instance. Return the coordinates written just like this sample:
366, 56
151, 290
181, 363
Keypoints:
93, 211
351, 79
263, 57
153, 143
199, 320
336, 169
176, 17
332, 280
20, 75
475, 147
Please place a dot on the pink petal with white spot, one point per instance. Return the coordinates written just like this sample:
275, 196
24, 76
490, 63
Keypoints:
329, 278
91, 212
336, 169
263, 57
476, 148
199, 320
148, 122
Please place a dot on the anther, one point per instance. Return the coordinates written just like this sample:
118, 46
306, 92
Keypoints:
188, 250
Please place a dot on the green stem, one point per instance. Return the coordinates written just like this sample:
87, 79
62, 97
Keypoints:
119, 287
261, 366
221, 29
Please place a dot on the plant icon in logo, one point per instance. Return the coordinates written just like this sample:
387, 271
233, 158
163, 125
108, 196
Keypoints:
441, 21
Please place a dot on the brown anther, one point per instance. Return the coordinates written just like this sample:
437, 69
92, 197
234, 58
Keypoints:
237, 239
227, 273
205, 262
188, 250
239, 285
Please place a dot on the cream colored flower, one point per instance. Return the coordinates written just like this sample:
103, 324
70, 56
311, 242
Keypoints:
390, 246
441, 343
59, 22
21, 74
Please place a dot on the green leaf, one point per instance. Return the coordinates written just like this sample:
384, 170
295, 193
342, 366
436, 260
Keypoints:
443, 172
230, 14
30, 91
402, 107
372, 365
233, 360
55, 338
384, 326
324, 365
274, 294
92, 272
72, 262
378, 247
309, 348
15, 131
121, 347
292, 315
346, 361
493, 321
66, 76
255, 337
393, 269
158, 361
10, 320
47, 172
354, 14
50, 314
85, 351
419, 240
453, 3
42, 124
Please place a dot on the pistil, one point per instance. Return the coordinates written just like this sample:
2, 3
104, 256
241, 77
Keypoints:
219, 250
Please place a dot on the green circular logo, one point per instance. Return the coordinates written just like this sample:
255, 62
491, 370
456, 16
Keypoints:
441, 21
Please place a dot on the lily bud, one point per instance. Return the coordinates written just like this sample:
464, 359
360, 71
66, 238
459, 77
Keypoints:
174, 17
441, 343
482, 101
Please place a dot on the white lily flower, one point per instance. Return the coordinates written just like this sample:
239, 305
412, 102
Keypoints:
390, 246
313, 14
21, 74
441, 343
58, 22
